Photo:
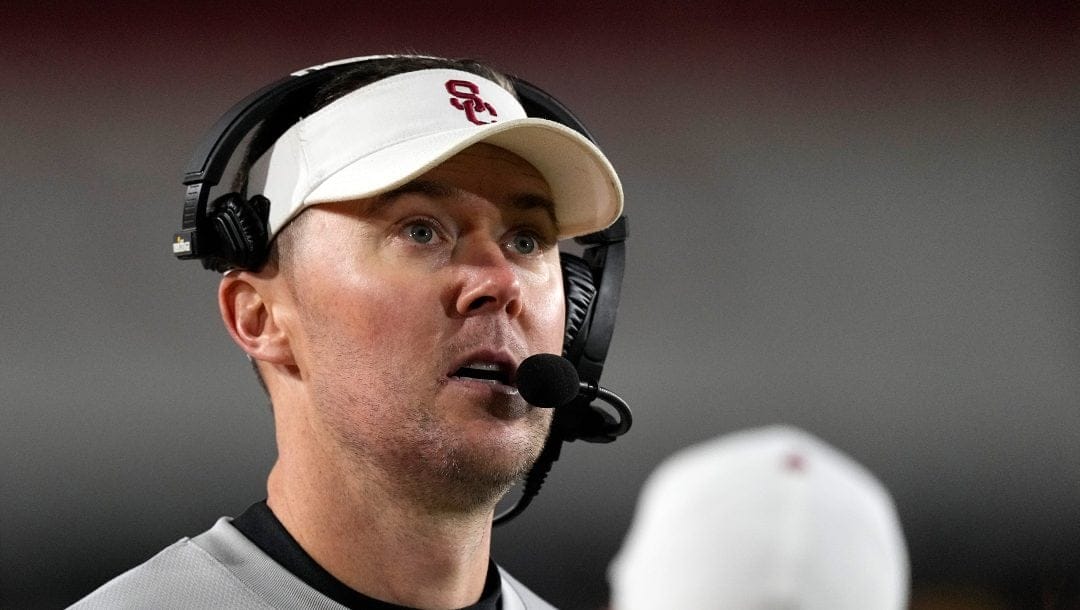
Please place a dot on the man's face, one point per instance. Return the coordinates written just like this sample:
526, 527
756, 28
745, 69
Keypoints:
401, 304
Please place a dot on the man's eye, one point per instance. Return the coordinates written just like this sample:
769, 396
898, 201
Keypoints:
420, 233
525, 243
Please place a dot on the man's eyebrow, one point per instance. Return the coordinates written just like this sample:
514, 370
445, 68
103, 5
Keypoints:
430, 188
531, 201
440, 190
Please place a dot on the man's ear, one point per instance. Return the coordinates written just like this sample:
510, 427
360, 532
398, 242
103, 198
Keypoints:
248, 309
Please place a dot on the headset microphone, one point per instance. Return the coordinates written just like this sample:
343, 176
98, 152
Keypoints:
548, 380
551, 381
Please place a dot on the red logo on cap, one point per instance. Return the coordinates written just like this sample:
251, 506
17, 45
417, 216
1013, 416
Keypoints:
795, 462
466, 96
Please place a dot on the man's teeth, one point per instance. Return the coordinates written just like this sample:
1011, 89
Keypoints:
489, 373
490, 366
482, 371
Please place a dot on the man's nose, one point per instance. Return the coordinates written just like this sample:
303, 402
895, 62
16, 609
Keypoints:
489, 281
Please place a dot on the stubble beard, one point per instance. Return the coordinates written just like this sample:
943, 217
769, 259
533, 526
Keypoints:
472, 476
421, 457
390, 437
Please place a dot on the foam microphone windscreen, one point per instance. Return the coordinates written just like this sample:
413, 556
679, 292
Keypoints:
547, 380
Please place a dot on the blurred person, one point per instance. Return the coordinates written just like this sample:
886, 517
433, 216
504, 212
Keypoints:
764, 519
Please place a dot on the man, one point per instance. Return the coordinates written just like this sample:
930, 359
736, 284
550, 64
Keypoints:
770, 518
413, 218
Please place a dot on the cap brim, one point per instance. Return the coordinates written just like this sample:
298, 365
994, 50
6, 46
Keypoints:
584, 186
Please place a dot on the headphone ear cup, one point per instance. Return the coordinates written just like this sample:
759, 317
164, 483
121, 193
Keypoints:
240, 231
580, 291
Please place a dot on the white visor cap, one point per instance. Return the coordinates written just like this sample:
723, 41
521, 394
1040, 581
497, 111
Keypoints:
385, 134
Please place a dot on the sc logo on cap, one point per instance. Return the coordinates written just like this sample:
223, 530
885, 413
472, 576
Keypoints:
466, 96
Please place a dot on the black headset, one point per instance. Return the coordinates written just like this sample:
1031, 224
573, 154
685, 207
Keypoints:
231, 232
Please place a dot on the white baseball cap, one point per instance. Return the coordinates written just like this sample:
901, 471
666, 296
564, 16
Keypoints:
382, 135
771, 518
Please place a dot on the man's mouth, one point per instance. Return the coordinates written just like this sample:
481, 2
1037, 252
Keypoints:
489, 372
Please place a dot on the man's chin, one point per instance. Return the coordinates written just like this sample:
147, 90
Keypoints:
464, 494
478, 475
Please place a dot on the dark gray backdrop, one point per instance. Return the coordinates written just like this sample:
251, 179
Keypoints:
861, 222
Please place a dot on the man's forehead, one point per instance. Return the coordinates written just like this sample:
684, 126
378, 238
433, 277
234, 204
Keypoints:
519, 185
494, 161
437, 189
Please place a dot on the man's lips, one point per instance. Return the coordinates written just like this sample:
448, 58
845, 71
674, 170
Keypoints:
483, 371
491, 368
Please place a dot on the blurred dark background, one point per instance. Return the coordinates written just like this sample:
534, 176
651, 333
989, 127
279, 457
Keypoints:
860, 221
